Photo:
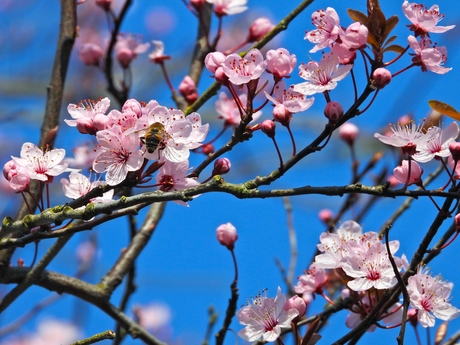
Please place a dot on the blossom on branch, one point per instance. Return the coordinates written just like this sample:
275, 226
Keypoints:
86, 115
430, 296
328, 29
242, 70
424, 20
322, 76
438, 145
128, 47
265, 317
227, 7
428, 57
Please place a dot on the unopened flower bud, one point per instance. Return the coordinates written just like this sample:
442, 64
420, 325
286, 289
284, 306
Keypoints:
207, 149
21, 262
187, 88
412, 317
105, 4
221, 166
325, 215
90, 54
282, 115
259, 29
401, 172
220, 76
296, 302
393, 181
454, 149
213, 61
134, 106
268, 127
348, 132
7, 168
333, 111
280, 63
226, 235
382, 77
125, 56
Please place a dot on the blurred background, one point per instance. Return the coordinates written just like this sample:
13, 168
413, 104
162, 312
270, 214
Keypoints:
184, 270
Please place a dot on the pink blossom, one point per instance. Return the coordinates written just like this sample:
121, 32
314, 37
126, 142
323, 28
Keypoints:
407, 136
430, 296
132, 105
335, 246
328, 29
86, 251
42, 166
280, 63
424, 20
313, 280
265, 317
242, 70
453, 164
226, 235
355, 36
105, 4
322, 76
158, 53
229, 111
333, 111
90, 54
429, 58
128, 47
87, 111
382, 77
154, 317
172, 177
187, 89
259, 29
401, 173
348, 132
346, 55
268, 127
17, 176
438, 145
117, 154
83, 157
227, 7
213, 61
370, 267
296, 302
294, 102
79, 185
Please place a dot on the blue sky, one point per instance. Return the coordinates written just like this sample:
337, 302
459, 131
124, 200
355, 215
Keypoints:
183, 266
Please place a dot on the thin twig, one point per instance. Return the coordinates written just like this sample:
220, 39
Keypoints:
96, 338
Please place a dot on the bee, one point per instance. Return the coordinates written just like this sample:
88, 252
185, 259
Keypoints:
154, 137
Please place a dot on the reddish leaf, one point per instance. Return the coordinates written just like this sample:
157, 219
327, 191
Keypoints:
394, 48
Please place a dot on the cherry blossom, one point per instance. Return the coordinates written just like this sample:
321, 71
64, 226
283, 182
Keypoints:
17, 176
355, 36
172, 177
241, 70
438, 145
265, 317
407, 136
322, 76
294, 102
41, 165
79, 185
280, 63
229, 111
328, 29
226, 235
158, 53
312, 281
370, 267
214, 60
259, 29
430, 296
128, 47
154, 317
227, 7
335, 246
424, 20
90, 54
84, 114
117, 154
429, 58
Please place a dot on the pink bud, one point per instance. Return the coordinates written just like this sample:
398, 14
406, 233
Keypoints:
213, 61
296, 302
280, 63
85, 251
85, 126
268, 127
403, 120
187, 88
355, 36
105, 4
125, 56
207, 149
220, 76
221, 166
333, 111
21, 262
8, 168
259, 29
90, 54
401, 172
134, 106
382, 77
345, 54
282, 115
393, 181
454, 149
348, 132
412, 317
325, 215
226, 235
